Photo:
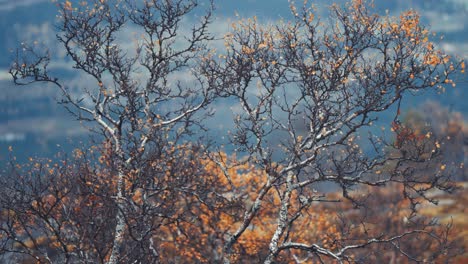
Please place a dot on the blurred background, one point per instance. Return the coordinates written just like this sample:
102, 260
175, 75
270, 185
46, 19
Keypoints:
35, 125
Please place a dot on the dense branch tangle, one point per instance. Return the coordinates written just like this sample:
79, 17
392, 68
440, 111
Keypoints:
137, 98
306, 92
307, 87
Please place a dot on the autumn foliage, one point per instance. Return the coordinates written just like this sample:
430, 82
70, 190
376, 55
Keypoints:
301, 185
55, 212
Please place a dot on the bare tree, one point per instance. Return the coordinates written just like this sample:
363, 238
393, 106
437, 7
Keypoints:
137, 99
56, 213
65, 212
306, 93
306, 90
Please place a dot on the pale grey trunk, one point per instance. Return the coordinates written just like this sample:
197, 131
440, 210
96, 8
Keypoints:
248, 216
120, 225
282, 220
120, 218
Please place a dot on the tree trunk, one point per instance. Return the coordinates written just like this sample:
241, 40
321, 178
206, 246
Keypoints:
282, 220
120, 218
120, 225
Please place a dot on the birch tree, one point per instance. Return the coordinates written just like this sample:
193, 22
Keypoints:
137, 100
306, 89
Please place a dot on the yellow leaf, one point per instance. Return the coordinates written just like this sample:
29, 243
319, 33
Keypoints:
262, 45
247, 50
68, 5
446, 59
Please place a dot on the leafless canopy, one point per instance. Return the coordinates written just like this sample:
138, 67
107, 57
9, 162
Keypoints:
138, 98
306, 90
